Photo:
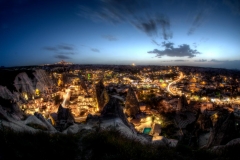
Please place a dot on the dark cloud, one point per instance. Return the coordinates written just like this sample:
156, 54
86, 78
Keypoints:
134, 12
167, 61
95, 50
198, 20
62, 57
171, 51
201, 60
62, 49
180, 60
234, 5
195, 45
206, 7
66, 53
155, 42
230, 64
110, 37
214, 60
48, 48
121, 10
168, 44
59, 47
154, 26
65, 47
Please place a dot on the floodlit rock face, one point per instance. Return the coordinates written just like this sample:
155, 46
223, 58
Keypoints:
6, 94
48, 125
113, 109
223, 131
10, 122
24, 84
43, 80
131, 105
101, 95
40, 81
33, 120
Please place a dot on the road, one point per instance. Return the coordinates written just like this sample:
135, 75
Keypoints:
173, 82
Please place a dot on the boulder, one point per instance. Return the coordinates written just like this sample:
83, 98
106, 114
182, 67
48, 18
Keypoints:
131, 105
36, 123
223, 131
41, 118
73, 129
64, 118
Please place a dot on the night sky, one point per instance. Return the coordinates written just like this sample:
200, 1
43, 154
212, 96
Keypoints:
144, 32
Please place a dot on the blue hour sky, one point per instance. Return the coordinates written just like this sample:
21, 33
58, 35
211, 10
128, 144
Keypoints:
149, 32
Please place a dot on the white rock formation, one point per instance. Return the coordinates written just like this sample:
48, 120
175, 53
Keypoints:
20, 126
24, 84
10, 122
6, 94
34, 120
43, 80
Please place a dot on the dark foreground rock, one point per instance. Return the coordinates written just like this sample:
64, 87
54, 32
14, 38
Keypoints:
223, 131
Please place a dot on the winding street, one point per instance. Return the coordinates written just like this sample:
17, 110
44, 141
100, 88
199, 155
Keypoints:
173, 82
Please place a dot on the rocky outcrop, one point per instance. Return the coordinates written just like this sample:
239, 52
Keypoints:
73, 129
204, 122
44, 83
24, 84
220, 149
36, 123
31, 124
48, 125
131, 105
5, 93
223, 131
113, 109
182, 103
64, 118
101, 95
9, 122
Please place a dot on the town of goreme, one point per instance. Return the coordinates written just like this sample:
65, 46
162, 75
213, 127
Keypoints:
152, 104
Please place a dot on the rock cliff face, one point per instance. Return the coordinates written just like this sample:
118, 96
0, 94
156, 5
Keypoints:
6, 94
101, 95
204, 122
113, 109
64, 118
24, 84
43, 80
221, 149
131, 105
223, 131
40, 81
